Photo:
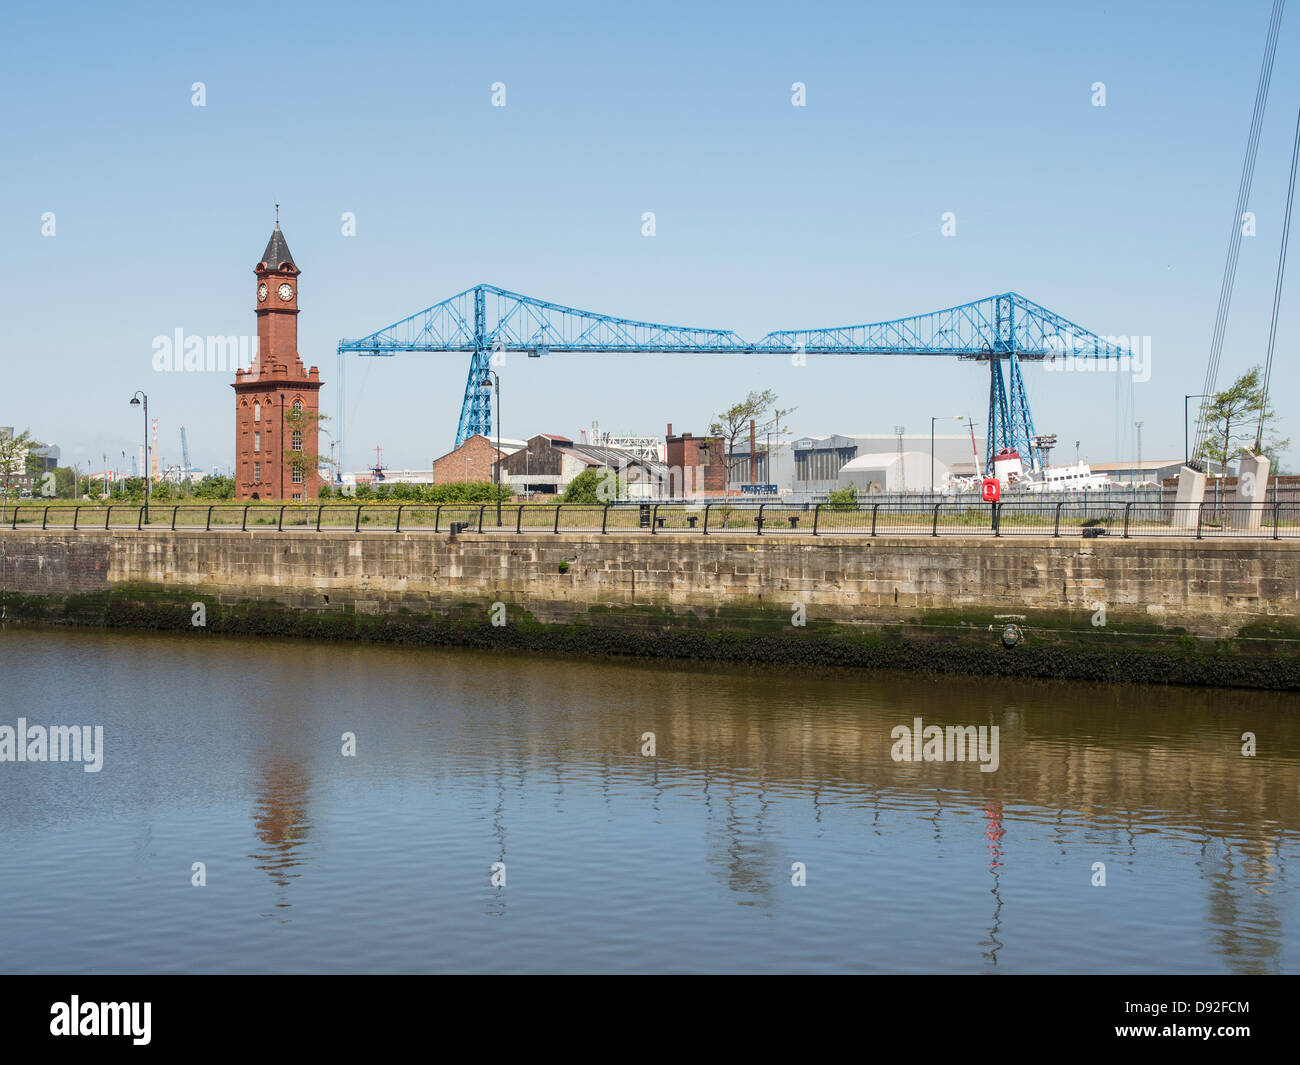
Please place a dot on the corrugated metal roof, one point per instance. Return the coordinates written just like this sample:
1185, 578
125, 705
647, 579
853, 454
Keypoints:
613, 457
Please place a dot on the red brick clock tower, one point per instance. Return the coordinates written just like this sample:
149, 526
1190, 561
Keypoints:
277, 399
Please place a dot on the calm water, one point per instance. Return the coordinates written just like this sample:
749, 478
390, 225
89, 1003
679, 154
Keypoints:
227, 752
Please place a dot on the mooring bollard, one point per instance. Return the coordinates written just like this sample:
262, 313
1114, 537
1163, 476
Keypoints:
458, 527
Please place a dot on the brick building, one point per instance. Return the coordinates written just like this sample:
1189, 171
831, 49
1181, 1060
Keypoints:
277, 400
474, 460
696, 465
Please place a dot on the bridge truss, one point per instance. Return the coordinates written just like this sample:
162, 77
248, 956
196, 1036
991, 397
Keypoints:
1003, 330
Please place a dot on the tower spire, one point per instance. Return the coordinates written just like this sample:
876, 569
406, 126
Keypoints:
276, 400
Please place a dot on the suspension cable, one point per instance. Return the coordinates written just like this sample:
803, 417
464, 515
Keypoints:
1234, 241
1277, 288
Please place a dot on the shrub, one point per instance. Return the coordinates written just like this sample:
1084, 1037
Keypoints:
843, 498
594, 486
212, 487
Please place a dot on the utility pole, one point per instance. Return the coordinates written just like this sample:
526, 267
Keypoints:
136, 401
902, 461
492, 380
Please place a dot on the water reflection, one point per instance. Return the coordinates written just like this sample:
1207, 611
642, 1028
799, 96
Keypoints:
1244, 922
743, 858
614, 857
499, 879
281, 824
994, 833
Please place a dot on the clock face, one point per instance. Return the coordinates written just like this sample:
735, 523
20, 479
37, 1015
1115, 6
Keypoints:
261, 293
286, 292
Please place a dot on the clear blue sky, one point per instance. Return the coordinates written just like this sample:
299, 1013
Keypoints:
768, 216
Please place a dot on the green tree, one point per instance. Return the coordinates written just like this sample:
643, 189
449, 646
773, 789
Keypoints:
302, 424
132, 488
65, 482
1232, 417
594, 486
215, 487
17, 459
733, 423
843, 498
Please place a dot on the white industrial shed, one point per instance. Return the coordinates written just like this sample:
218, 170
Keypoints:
888, 471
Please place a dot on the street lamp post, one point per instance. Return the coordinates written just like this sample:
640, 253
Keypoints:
1187, 454
495, 385
936, 418
136, 402
1138, 426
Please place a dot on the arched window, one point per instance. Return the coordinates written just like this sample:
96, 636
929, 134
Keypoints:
257, 412
297, 406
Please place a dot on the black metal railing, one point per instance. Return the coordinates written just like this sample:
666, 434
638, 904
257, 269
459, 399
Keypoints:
1055, 519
